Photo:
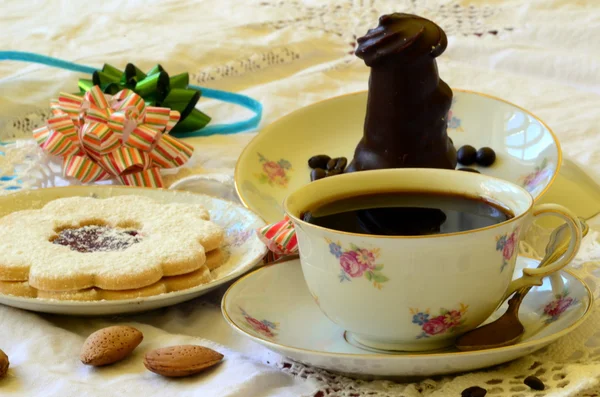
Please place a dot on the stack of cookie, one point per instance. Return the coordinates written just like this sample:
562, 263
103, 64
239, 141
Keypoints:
123, 247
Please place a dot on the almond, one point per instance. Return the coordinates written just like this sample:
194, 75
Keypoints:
109, 345
183, 360
3, 364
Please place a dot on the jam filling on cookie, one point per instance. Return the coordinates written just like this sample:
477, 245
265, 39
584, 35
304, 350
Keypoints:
96, 238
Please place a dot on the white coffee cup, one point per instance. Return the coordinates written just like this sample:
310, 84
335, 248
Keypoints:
417, 293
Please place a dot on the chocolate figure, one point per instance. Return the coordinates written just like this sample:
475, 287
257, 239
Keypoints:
408, 103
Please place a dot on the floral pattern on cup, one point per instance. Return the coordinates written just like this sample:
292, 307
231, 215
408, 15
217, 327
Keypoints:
264, 327
358, 262
554, 309
534, 179
274, 173
507, 243
446, 321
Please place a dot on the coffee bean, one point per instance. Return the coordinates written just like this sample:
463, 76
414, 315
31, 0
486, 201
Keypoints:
331, 164
333, 172
469, 170
534, 382
317, 173
485, 156
341, 163
466, 155
473, 391
318, 161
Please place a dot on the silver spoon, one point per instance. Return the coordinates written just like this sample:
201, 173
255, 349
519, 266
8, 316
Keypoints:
507, 329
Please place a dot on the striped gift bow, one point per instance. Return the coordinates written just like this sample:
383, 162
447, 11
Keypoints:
281, 240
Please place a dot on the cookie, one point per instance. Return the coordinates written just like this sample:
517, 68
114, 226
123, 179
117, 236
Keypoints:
166, 284
214, 259
118, 243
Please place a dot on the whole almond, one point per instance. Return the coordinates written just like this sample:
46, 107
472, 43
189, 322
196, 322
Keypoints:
109, 345
3, 364
183, 360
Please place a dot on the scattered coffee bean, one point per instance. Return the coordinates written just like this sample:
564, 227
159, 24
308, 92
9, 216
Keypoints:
318, 161
534, 382
341, 163
317, 173
469, 170
485, 156
331, 164
466, 155
333, 172
473, 391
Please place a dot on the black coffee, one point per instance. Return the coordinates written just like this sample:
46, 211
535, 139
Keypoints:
407, 214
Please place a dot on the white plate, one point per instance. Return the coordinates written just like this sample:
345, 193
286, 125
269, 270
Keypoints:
244, 247
275, 162
259, 306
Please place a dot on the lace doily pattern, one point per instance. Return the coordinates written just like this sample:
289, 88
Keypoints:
23, 165
20, 126
343, 22
500, 381
351, 18
241, 66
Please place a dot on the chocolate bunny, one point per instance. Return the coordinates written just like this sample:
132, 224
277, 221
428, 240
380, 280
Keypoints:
407, 107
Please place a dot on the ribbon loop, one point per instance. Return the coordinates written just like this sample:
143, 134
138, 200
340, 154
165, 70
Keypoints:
157, 117
280, 237
99, 138
133, 74
156, 88
143, 138
83, 169
149, 178
95, 97
180, 81
111, 71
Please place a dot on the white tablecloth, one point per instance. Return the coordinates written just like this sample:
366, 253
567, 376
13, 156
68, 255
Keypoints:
542, 55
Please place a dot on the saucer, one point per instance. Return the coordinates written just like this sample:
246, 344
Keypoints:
274, 163
273, 307
242, 247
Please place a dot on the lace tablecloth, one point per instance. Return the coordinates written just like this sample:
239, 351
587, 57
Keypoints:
542, 55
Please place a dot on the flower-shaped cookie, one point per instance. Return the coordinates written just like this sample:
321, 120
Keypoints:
132, 243
214, 259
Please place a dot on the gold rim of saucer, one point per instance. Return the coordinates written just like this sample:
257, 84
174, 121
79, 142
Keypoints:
535, 199
394, 355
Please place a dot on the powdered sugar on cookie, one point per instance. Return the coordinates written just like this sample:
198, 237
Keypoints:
135, 241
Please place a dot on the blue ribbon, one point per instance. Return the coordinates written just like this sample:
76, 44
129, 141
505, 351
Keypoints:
225, 96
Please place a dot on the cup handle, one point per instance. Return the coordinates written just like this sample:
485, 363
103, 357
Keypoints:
534, 276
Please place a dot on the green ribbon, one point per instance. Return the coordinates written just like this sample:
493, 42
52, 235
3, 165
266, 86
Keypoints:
157, 88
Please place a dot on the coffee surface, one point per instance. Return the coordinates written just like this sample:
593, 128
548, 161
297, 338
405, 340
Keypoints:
407, 214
